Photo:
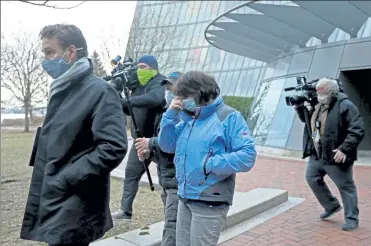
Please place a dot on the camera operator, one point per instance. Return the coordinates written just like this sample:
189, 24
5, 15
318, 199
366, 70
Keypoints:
147, 147
147, 100
337, 130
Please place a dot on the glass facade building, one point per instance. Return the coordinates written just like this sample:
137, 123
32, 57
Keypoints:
242, 54
191, 49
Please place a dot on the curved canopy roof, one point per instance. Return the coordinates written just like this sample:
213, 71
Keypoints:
262, 31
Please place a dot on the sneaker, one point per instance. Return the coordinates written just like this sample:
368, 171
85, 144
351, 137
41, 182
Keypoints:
122, 216
349, 227
326, 215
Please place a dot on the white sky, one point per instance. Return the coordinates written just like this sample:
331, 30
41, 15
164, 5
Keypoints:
96, 19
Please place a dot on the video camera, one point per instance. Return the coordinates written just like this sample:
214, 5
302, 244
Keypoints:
124, 78
308, 94
123, 74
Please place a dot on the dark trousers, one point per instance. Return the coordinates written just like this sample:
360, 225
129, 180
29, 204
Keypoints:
343, 178
170, 200
133, 173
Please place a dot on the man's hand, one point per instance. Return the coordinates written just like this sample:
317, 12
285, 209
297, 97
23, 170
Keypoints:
142, 144
339, 157
176, 104
142, 155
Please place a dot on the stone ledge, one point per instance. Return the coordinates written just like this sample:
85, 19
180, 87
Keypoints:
246, 205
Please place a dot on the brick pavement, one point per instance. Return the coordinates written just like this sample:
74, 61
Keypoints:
299, 225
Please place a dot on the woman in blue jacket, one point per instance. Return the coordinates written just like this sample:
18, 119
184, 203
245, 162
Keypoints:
211, 142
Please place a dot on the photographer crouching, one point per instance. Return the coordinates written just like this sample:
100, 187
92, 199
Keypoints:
334, 129
146, 100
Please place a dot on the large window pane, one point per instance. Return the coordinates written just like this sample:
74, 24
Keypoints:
240, 83
233, 83
196, 35
203, 9
283, 119
254, 82
246, 63
183, 60
222, 82
202, 59
165, 15
264, 109
212, 10
247, 81
189, 37
214, 60
183, 13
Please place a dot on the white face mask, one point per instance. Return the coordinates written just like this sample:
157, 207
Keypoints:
324, 99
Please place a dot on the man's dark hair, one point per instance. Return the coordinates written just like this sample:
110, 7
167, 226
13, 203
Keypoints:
67, 35
199, 85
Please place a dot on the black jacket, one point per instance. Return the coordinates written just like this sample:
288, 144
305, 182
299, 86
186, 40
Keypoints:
344, 130
147, 101
164, 161
83, 138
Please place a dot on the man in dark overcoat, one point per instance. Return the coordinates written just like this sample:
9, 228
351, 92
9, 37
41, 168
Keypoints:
83, 138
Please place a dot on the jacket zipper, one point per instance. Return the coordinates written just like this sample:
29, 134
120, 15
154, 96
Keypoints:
185, 156
209, 154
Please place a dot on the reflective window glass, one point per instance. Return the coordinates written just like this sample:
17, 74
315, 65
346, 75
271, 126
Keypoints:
282, 120
264, 108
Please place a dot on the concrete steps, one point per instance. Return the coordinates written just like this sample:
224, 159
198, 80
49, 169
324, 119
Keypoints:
246, 205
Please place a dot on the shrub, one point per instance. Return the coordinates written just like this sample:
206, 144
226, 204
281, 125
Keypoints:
241, 104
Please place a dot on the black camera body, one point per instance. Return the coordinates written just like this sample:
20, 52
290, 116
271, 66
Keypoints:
123, 74
308, 92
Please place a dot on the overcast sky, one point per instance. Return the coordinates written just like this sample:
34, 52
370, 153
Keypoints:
96, 19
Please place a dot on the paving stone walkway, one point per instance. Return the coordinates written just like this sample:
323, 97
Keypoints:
299, 225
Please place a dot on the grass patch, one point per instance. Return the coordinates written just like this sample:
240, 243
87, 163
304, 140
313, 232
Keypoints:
15, 181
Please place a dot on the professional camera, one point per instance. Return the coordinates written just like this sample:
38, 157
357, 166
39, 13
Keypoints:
308, 92
124, 78
123, 74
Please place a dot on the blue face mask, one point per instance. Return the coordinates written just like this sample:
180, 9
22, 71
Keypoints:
189, 104
56, 67
169, 96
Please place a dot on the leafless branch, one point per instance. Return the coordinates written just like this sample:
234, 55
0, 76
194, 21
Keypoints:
146, 40
44, 4
21, 72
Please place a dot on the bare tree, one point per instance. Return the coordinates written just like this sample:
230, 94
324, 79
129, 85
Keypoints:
48, 5
146, 40
21, 73
98, 68
148, 35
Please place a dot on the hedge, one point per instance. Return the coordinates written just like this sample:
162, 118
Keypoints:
242, 104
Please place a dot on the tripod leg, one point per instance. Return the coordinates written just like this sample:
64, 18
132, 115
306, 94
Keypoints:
146, 164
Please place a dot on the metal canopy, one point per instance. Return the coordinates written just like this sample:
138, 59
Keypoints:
273, 27
239, 49
254, 34
364, 6
298, 18
249, 43
280, 28
334, 12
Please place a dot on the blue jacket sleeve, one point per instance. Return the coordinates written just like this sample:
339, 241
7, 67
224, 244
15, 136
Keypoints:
169, 131
242, 154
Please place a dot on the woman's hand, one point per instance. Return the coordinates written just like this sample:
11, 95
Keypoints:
176, 104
